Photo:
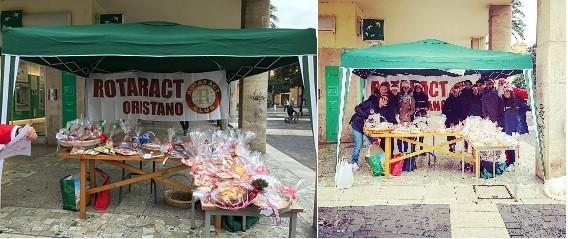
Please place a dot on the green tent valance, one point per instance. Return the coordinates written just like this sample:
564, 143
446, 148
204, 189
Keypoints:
433, 54
158, 47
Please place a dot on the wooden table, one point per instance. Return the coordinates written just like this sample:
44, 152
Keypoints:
476, 152
441, 147
116, 160
210, 210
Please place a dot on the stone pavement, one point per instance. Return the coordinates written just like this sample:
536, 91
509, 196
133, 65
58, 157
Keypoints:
385, 221
31, 201
444, 184
296, 139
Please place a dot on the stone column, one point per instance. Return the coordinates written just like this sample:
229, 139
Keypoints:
500, 27
550, 85
234, 102
252, 111
253, 90
52, 107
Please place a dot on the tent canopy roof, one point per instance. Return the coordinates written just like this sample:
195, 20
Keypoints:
433, 54
158, 47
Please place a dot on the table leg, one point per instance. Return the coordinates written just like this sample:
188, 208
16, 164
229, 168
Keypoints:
93, 179
217, 221
83, 193
388, 153
477, 167
193, 212
244, 223
292, 226
494, 159
463, 164
515, 172
207, 226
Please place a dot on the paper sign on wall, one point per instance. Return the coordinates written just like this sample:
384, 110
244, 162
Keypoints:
158, 96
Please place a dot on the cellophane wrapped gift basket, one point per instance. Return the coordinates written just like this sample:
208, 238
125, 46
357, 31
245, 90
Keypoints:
222, 164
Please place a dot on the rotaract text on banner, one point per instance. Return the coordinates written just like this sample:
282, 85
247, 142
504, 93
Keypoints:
158, 96
152, 88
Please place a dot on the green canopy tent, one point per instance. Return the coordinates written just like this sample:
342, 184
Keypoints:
160, 47
430, 54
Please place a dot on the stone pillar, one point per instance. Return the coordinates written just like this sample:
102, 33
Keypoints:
500, 27
550, 85
252, 111
52, 107
254, 89
234, 102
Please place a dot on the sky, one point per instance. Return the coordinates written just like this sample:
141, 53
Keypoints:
296, 13
529, 8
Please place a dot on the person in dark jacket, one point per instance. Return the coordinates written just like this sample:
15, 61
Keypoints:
510, 120
452, 109
362, 112
511, 112
422, 104
184, 126
523, 109
388, 109
491, 103
475, 103
466, 96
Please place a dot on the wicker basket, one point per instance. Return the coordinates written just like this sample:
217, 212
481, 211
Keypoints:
178, 199
79, 143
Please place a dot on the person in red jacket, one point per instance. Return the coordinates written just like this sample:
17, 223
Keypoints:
9, 132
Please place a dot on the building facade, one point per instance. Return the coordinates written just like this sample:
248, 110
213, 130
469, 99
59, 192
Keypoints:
483, 24
463, 22
51, 97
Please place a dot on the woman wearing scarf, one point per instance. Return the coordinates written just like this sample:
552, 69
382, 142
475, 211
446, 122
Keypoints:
406, 105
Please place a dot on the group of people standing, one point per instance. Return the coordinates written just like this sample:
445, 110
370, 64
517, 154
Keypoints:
389, 103
481, 99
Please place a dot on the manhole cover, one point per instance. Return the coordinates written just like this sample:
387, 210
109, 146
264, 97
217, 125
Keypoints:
492, 192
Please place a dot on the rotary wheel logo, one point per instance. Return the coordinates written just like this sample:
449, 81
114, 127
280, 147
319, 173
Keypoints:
203, 96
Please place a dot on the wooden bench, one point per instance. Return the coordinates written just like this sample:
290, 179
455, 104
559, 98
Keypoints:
210, 210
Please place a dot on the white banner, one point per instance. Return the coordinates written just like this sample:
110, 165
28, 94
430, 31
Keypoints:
436, 87
158, 96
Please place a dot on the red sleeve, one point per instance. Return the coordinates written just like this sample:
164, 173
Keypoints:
7, 133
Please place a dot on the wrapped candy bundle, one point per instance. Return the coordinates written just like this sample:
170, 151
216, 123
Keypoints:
485, 132
376, 122
233, 175
80, 133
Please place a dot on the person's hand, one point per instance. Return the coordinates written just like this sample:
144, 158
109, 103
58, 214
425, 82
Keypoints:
30, 133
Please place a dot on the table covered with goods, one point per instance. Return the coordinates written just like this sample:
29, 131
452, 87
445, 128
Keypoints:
226, 172
482, 135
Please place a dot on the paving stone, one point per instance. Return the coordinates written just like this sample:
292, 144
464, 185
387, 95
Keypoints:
394, 221
534, 220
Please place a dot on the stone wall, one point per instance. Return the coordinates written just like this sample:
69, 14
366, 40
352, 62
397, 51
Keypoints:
550, 86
